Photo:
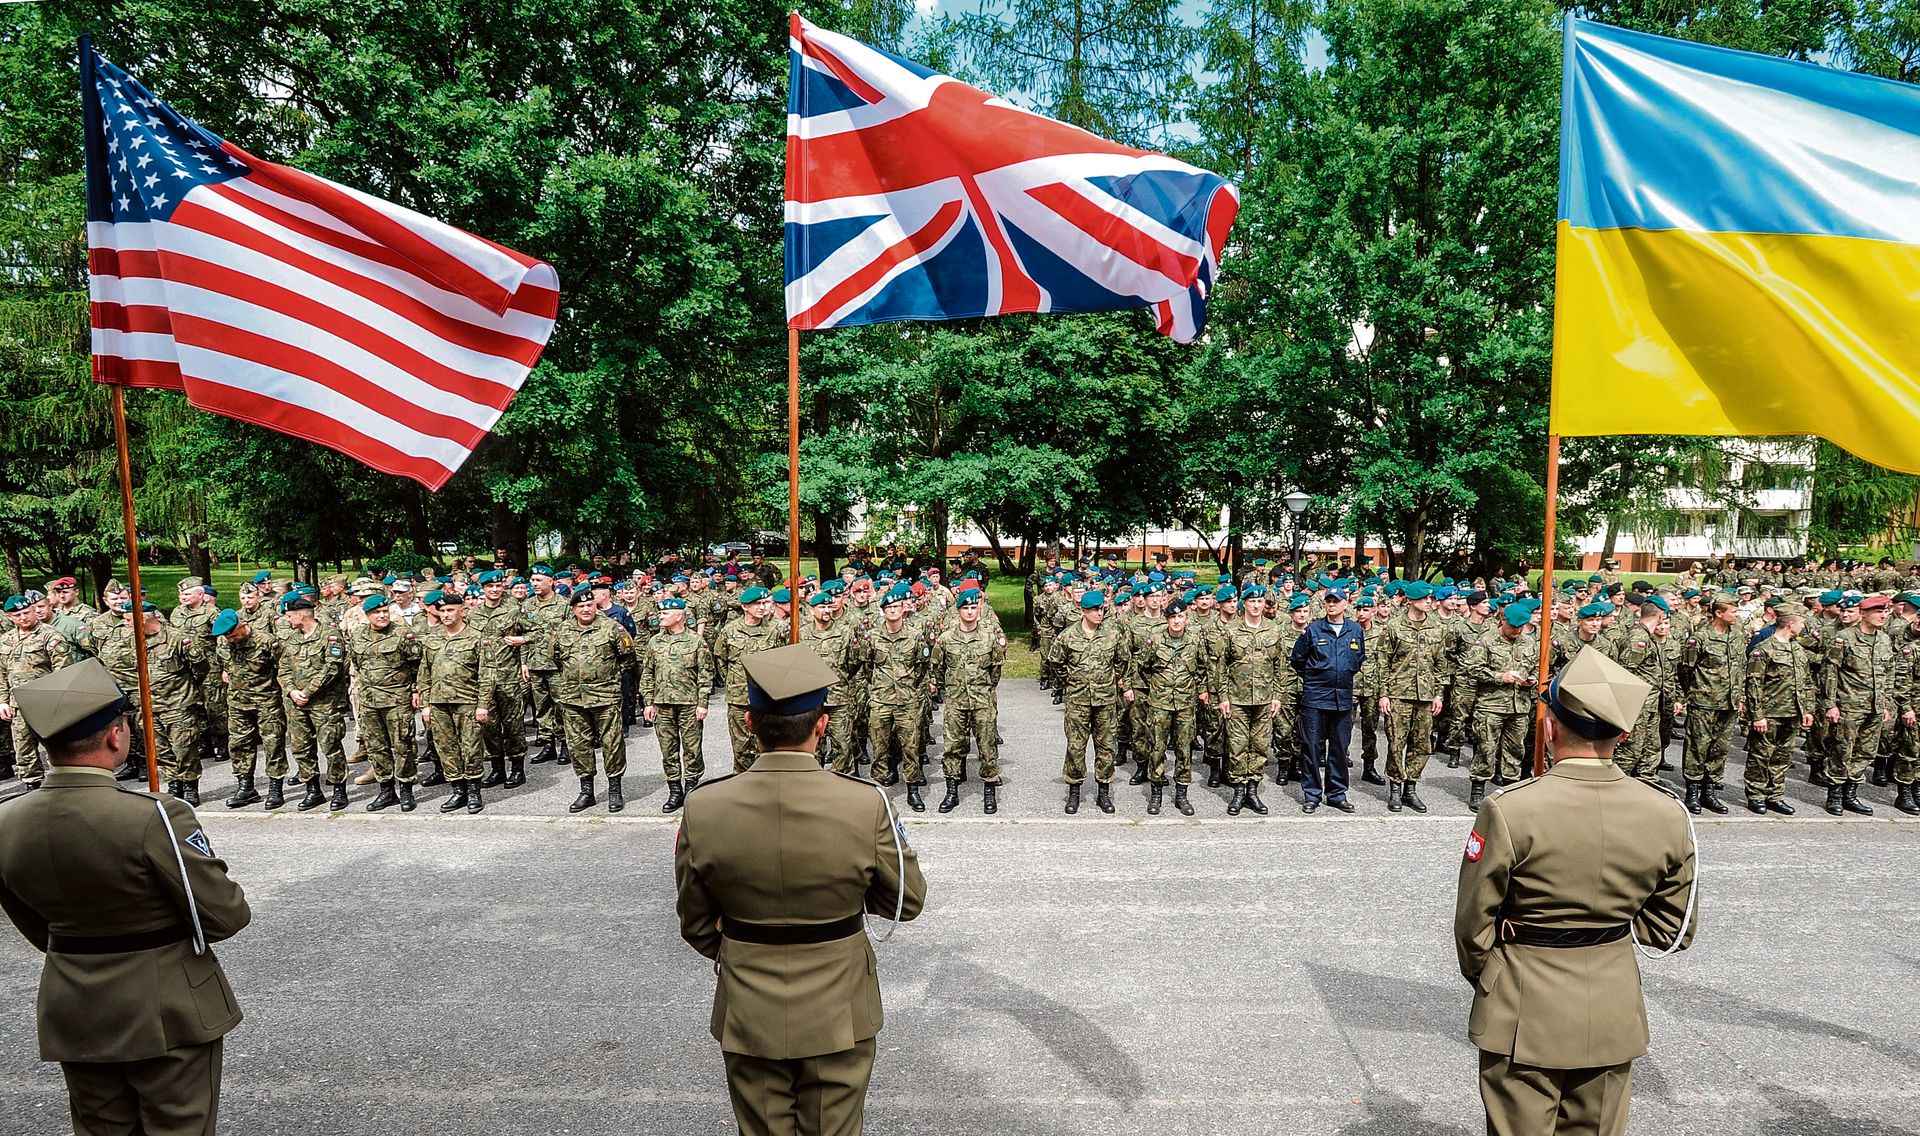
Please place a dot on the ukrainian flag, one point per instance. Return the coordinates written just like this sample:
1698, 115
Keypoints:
1739, 247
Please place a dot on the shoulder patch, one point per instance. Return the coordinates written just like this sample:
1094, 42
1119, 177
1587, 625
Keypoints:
199, 843
1476, 844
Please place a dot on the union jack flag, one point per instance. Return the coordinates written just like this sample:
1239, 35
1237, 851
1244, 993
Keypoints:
912, 196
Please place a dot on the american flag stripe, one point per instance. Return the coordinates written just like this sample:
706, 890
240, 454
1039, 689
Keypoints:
280, 298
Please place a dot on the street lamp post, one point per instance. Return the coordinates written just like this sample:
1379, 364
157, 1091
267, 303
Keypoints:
1297, 503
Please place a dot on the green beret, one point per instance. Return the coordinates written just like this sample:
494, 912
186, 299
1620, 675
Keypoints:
373, 603
673, 603
753, 595
1092, 599
1417, 590
1517, 614
226, 621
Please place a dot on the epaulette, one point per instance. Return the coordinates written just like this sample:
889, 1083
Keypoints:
1502, 790
855, 778
713, 781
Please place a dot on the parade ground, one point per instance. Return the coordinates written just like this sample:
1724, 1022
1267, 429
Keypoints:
521, 972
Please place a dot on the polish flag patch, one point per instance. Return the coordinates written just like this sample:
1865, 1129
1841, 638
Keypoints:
1476, 844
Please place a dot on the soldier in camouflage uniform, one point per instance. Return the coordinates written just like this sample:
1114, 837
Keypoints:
313, 676
1906, 761
246, 659
1288, 751
1092, 661
1366, 683
1456, 714
547, 611
29, 650
172, 662
1860, 689
1713, 687
1046, 599
193, 617
840, 645
1505, 662
1250, 669
1780, 698
756, 630
899, 654
1641, 647
1826, 622
676, 676
1174, 671
1409, 650
965, 668
593, 655
453, 687
504, 630
386, 660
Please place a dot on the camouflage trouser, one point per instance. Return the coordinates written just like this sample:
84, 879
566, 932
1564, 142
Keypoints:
1136, 726
318, 728
1855, 741
506, 732
1668, 721
1818, 738
1457, 716
250, 729
1285, 745
982, 726
458, 739
1172, 729
1906, 754
1213, 733
894, 727
745, 748
26, 749
386, 737
547, 726
1639, 755
216, 719
926, 724
677, 729
856, 711
1366, 721
1409, 739
1250, 735
1709, 733
177, 733
588, 726
1499, 745
1099, 725
839, 739
1769, 756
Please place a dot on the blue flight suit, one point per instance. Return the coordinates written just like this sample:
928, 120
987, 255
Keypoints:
1327, 656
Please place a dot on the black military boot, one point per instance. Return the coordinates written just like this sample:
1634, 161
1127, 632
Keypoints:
1213, 774
1817, 775
173, 788
990, 797
1851, 802
1153, 799
435, 775
1372, 776
1073, 799
276, 794
190, 792
914, 801
407, 803
1103, 796
1238, 800
243, 792
616, 798
1904, 801
496, 773
1059, 696
1883, 770
1139, 774
676, 796
474, 803
457, 799
1253, 798
314, 798
891, 779
129, 771
386, 798
1710, 799
1693, 797
952, 800
339, 801
1756, 805
1180, 800
1834, 795
518, 776
585, 800
1393, 796
1781, 807
545, 753
1410, 798
1476, 792
1453, 759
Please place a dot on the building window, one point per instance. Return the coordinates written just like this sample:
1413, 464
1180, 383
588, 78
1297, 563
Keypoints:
1759, 476
1681, 524
1765, 525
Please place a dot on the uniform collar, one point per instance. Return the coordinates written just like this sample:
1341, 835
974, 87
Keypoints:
1584, 771
785, 761
70, 777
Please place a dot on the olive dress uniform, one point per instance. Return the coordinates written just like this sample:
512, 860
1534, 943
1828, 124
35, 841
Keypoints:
774, 868
90, 875
1561, 872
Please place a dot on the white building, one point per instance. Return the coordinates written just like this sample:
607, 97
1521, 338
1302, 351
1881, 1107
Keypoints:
1756, 504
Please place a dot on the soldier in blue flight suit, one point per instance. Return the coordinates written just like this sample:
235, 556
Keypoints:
1327, 655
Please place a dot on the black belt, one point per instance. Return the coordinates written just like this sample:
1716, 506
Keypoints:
1528, 936
116, 944
789, 934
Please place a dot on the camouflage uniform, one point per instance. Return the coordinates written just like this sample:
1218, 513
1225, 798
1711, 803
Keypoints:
384, 665
25, 656
735, 643
317, 665
1779, 688
966, 666
1172, 671
1860, 679
452, 683
676, 675
1366, 694
255, 719
1456, 716
1646, 658
897, 676
1502, 711
172, 661
547, 616
196, 623
1409, 659
1712, 684
506, 725
1093, 671
591, 661
1250, 672
841, 647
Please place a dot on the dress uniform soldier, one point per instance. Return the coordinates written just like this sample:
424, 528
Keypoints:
1175, 674
1860, 692
1713, 686
453, 687
386, 660
1092, 661
246, 659
965, 668
1563, 875
1408, 653
28, 650
547, 610
796, 1002
898, 654
313, 676
593, 655
1780, 700
676, 676
1248, 669
132, 1003
756, 630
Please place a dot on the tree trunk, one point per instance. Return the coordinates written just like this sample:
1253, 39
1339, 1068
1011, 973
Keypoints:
419, 533
16, 577
199, 558
999, 553
100, 568
306, 569
826, 548
1416, 544
937, 517
510, 533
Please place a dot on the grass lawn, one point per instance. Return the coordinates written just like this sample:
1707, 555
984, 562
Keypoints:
162, 581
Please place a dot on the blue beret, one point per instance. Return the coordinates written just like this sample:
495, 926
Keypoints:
969, 598
899, 593
673, 603
1092, 599
1594, 610
540, 570
1445, 592
373, 603
1829, 598
1157, 577
1260, 563
433, 597
1122, 596
1656, 601
753, 595
681, 578
1363, 601
474, 591
16, 603
226, 621
1225, 592
1298, 601
390, 580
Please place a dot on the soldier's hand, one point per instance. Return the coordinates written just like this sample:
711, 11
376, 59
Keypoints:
648, 715
1909, 717
1886, 715
1833, 713
416, 702
299, 697
1759, 725
426, 713
6, 711
480, 715
1205, 698
1386, 705
1438, 705
1806, 721
699, 713
1127, 694
1275, 708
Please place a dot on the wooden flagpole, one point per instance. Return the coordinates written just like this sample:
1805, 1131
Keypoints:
1546, 604
793, 484
138, 600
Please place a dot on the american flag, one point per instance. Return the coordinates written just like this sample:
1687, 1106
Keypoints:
292, 302
912, 196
